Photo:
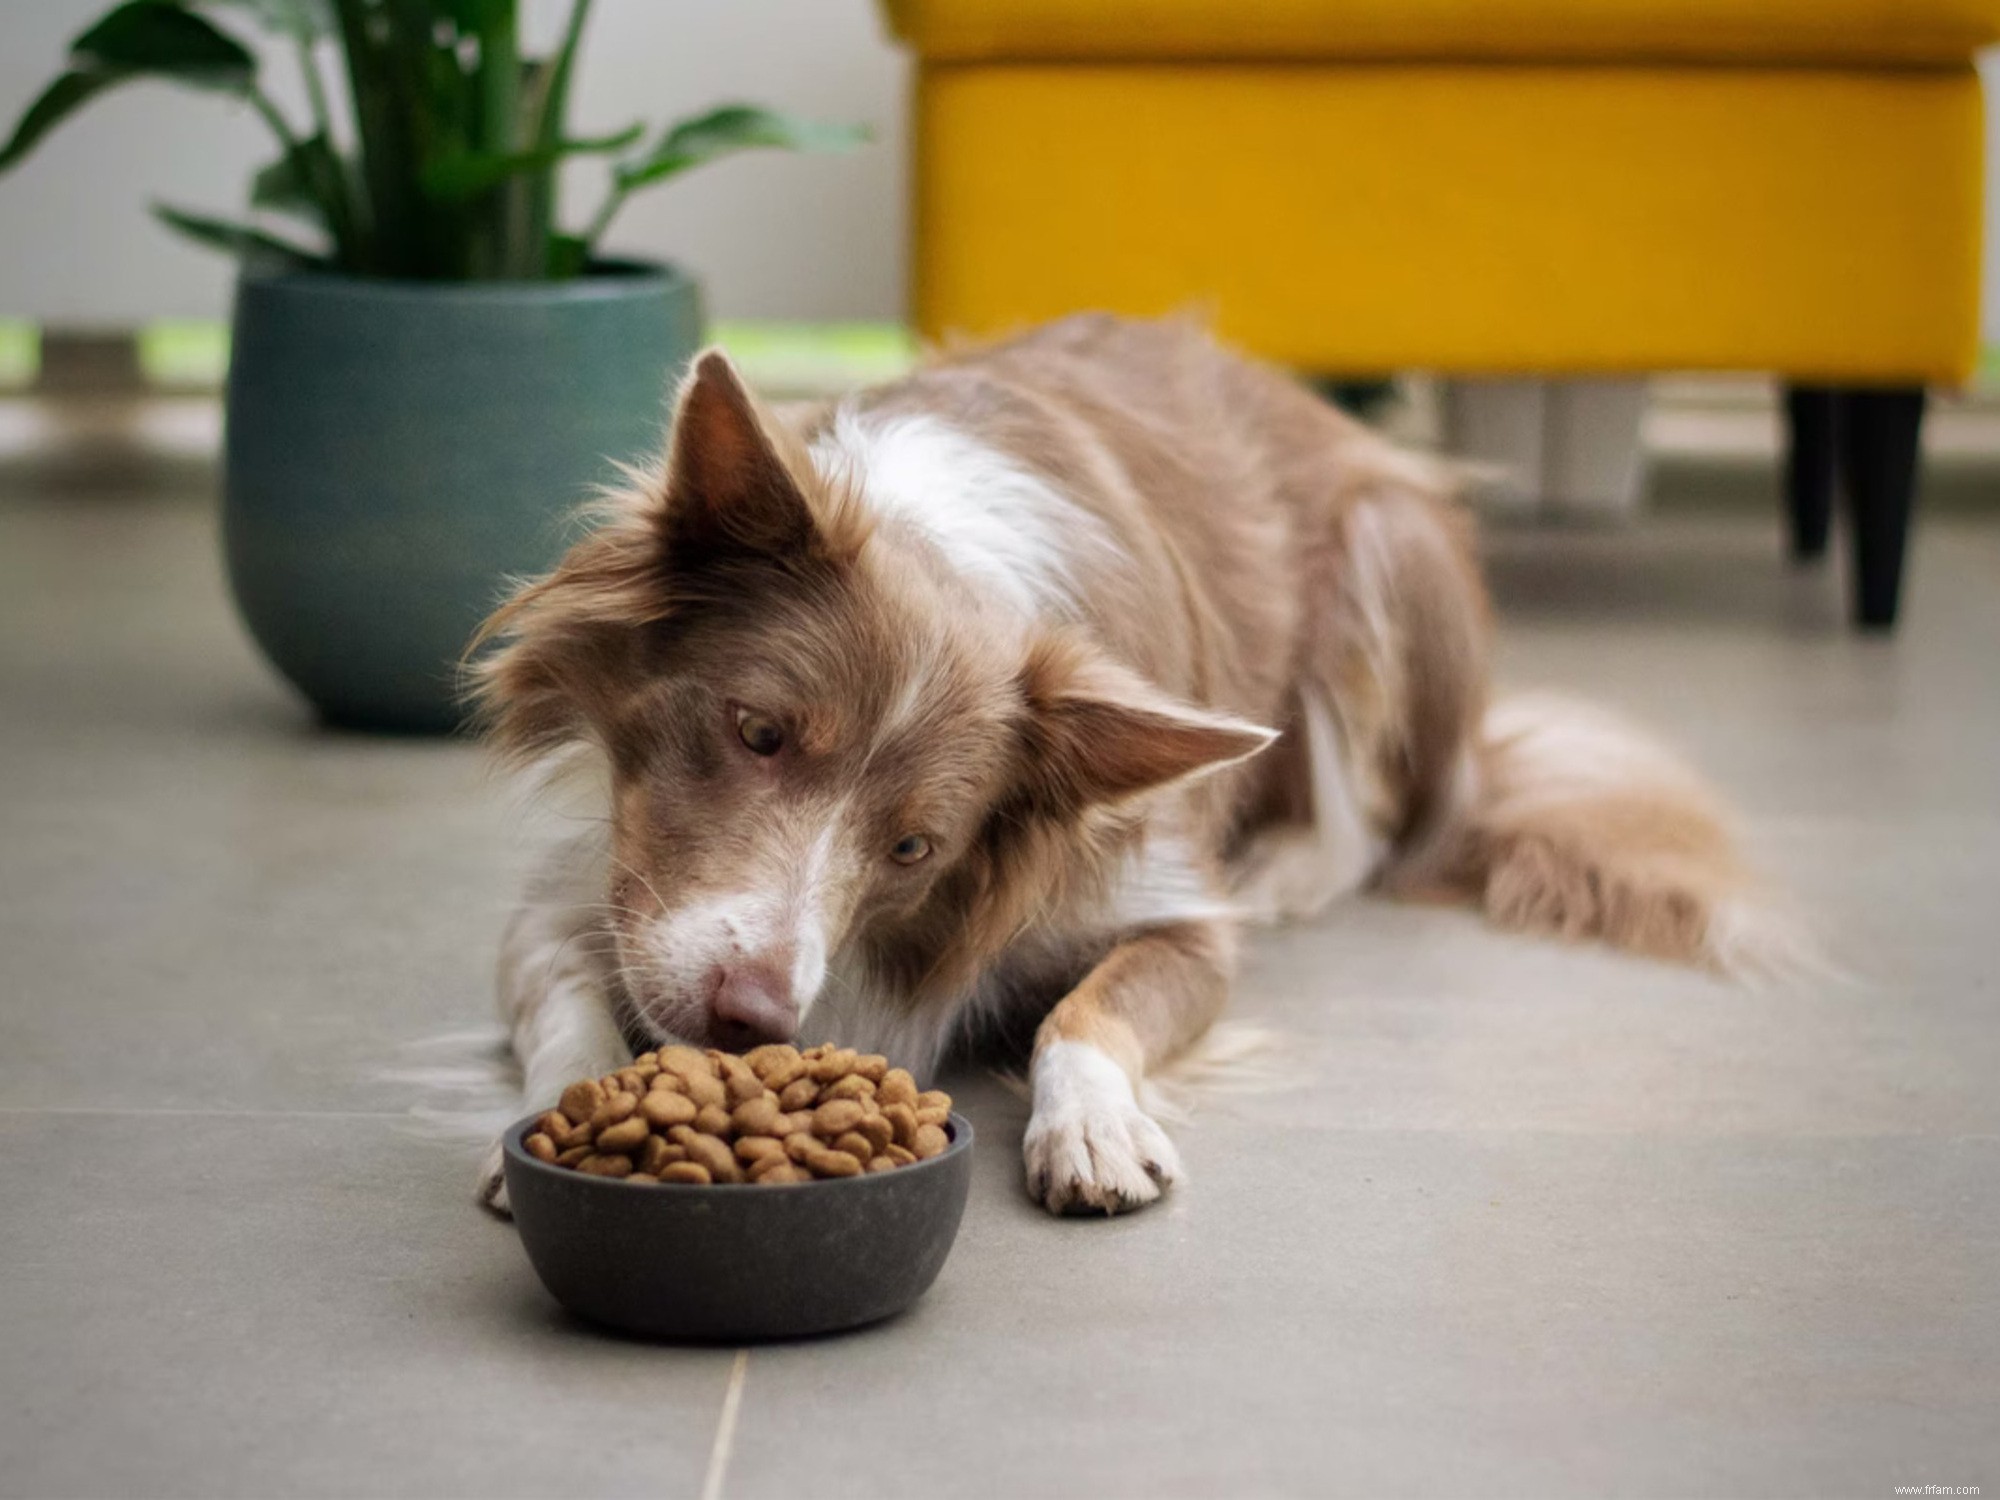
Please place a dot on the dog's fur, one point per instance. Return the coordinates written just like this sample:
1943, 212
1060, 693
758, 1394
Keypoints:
1140, 637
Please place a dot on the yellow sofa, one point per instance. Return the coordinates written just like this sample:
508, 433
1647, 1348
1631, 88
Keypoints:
1554, 187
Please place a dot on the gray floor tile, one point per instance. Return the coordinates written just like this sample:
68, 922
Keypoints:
256, 910
1432, 1313
231, 1305
1537, 1220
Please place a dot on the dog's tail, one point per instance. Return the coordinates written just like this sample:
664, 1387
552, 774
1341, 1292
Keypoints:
1575, 824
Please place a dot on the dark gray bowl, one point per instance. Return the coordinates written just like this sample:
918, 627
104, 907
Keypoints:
673, 1260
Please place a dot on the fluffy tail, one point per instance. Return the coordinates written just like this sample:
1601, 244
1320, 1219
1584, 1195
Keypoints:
1577, 825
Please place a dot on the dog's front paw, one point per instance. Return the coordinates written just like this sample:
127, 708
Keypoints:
493, 1186
1089, 1147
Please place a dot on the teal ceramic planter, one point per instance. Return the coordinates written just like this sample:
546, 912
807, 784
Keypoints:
398, 450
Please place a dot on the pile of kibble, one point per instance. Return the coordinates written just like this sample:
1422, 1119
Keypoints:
775, 1114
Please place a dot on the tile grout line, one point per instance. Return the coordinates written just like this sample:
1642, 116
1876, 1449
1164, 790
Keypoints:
1364, 1128
211, 1114
725, 1429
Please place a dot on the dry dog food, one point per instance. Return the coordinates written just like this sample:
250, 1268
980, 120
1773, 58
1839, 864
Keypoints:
775, 1114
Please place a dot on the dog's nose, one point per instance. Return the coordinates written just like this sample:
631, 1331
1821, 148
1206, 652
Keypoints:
753, 1005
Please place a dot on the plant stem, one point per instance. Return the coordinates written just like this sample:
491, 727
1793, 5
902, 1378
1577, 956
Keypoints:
435, 108
274, 117
315, 90
497, 130
548, 125
383, 145
327, 195
548, 119
336, 201
607, 211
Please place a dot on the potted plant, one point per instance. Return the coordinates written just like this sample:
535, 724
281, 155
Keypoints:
428, 367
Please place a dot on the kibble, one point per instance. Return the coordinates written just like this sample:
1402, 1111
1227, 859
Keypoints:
902, 1122
757, 1116
628, 1134
877, 1131
663, 1109
751, 1149
824, 1161
706, 1090
774, 1115
580, 1099
798, 1094
837, 1117
656, 1155
776, 1066
832, 1065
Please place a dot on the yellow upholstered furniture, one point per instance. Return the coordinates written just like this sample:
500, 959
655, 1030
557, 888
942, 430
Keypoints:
1551, 187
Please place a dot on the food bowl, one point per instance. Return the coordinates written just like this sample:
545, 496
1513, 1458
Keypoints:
677, 1260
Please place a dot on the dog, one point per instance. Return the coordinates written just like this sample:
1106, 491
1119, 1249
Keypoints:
994, 701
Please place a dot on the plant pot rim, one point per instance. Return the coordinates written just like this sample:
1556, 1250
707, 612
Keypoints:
606, 279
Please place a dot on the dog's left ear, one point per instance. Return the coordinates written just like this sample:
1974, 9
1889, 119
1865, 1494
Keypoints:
1099, 733
729, 491
728, 499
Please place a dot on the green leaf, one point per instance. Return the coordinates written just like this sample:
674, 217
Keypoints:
284, 184
156, 38
466, 174
300, 179
724, 131
67, 94
546, 86
140, 39
302, 20
475, 17
238, 239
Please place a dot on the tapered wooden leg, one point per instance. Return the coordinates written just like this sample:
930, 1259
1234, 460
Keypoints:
1878, 433
1809, 467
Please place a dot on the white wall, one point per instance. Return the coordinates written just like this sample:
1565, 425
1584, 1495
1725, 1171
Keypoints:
773, 236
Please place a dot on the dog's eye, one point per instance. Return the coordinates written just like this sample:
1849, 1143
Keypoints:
759, 735
910, 848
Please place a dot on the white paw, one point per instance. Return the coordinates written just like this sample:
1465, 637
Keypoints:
1089, 1147
493, 1186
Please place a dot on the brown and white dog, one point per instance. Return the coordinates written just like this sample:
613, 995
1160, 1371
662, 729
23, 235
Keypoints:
997, 698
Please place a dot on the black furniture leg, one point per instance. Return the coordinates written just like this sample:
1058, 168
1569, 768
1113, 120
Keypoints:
1878, 432
1809, 462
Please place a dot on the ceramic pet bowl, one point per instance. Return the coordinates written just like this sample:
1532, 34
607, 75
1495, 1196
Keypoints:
674, 1260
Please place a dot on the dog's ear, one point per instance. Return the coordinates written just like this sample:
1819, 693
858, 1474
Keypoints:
729, 492
728, 499
1099, 733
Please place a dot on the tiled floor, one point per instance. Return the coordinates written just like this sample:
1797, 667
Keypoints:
1546, 1222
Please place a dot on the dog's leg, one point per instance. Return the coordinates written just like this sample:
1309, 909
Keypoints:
1392, 687
1293, 872
1090, 1146
555, 997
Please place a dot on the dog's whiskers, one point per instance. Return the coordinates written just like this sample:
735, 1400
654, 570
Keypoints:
639, 876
